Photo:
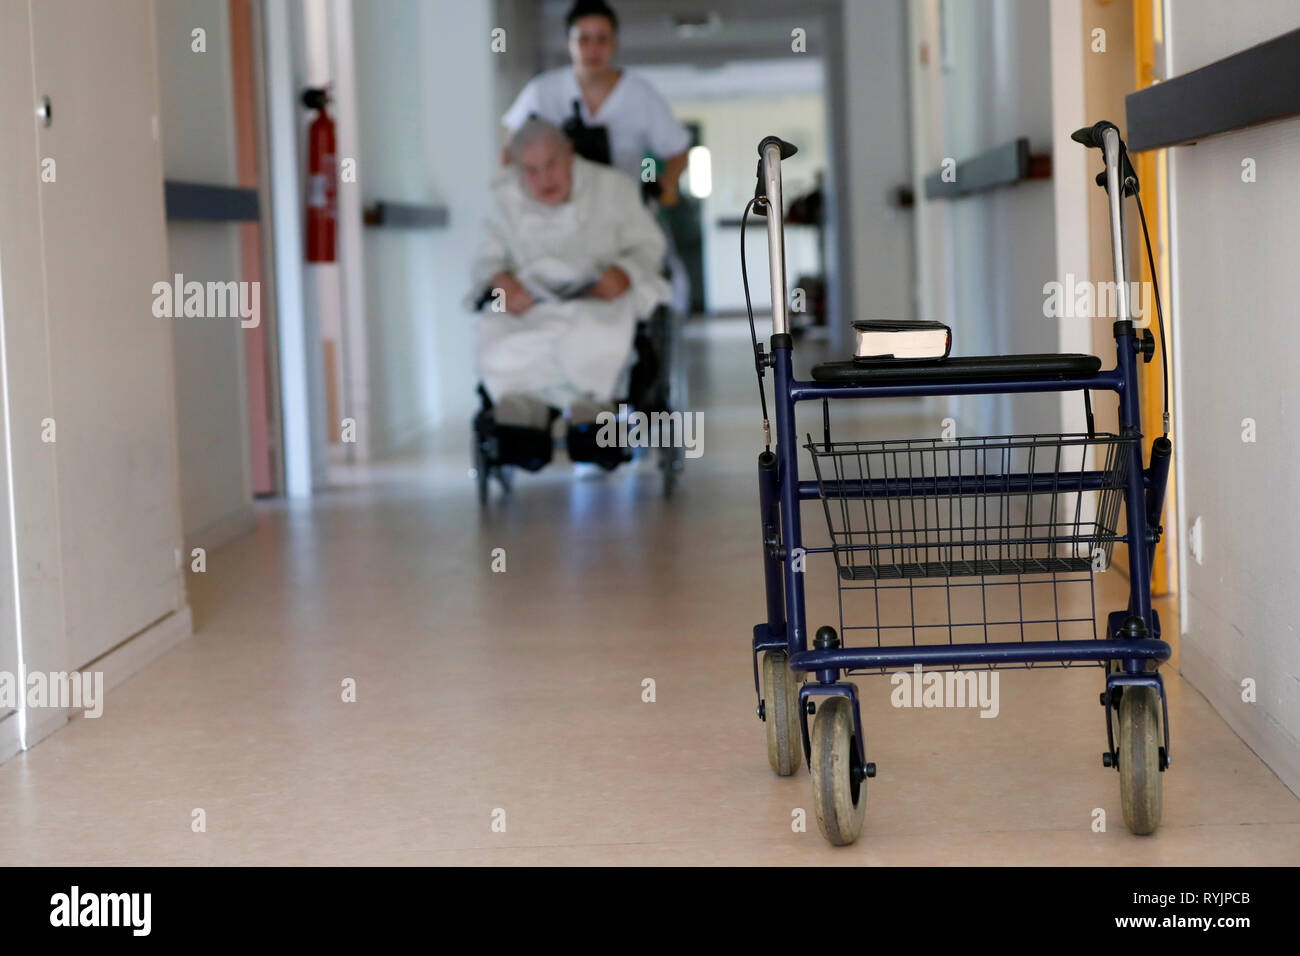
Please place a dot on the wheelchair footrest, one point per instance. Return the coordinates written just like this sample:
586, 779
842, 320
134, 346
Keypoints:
529, 448
584, 446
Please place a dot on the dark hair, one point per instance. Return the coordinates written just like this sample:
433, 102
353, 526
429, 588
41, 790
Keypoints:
590, 8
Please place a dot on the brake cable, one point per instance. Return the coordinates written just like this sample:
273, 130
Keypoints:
753, 331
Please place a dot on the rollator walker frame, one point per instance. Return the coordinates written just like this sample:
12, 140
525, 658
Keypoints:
952, 540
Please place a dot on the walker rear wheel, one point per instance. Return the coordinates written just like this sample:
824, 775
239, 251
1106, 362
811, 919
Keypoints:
839, 784
1139, 758
781, 714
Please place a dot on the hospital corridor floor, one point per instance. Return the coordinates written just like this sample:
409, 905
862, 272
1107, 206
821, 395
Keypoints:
590, 703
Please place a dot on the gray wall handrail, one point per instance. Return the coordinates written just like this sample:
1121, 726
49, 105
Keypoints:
208, 202
405, 215
1258, 85
1004, 165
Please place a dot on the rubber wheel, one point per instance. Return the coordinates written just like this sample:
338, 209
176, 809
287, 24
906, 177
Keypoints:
781, 714
839, 796
1139, 759
668, 482
670, 466
479, 457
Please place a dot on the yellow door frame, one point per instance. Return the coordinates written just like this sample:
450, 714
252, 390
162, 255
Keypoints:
1152, 170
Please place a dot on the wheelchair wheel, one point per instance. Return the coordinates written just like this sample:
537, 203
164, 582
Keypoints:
781, 714
670, 466
1139, 743
486, 468
839, 784
481, 468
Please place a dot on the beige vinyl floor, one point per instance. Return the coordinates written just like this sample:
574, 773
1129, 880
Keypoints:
517, 696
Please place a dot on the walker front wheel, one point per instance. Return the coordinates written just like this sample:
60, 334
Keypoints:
1139, 759
781, 714
839, 780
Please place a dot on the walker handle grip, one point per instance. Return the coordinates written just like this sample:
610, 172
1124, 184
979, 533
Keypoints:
1093, 136
787, 149
767, 199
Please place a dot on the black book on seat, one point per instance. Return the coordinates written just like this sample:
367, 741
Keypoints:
905, 341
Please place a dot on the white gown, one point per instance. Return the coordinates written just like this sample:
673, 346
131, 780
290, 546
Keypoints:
565, 349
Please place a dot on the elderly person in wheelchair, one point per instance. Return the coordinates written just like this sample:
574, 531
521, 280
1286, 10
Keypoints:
571, 262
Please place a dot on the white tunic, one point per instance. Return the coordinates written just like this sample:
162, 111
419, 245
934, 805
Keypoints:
564, 349
638, 118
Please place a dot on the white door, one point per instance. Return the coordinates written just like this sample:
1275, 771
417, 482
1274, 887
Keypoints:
111, 359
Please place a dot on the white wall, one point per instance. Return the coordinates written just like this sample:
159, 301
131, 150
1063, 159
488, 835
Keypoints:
428, 133
879, 147
1108, 78
985, 258
1089, 85
731, 128
523, 58
198, 140
1235, 317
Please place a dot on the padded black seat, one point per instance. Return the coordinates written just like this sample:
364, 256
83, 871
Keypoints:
961, 368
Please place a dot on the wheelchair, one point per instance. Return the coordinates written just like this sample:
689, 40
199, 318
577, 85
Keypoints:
656, 384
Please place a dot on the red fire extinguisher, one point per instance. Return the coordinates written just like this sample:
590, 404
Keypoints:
322, 179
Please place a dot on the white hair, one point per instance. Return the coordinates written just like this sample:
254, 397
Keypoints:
535, 130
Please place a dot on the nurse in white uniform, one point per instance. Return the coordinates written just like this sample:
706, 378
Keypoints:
637, 118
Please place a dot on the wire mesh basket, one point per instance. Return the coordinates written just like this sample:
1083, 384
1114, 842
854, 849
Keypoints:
998, 516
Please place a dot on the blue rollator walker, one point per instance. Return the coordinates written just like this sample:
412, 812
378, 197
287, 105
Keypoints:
927, 524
